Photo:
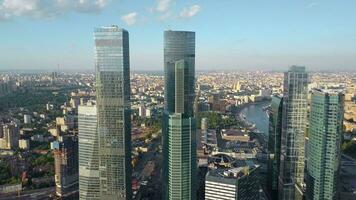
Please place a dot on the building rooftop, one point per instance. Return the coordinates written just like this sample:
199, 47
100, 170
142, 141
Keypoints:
242, 169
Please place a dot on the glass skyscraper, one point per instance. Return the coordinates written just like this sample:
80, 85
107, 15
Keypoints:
325, 138
179, 127
89, 187
112, 64
295, 94
274, 145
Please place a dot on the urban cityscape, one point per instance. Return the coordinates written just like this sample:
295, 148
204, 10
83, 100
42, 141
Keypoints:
176, 132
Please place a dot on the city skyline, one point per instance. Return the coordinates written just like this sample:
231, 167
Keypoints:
257, 35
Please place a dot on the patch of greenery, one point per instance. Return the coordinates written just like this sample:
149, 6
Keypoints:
216, 120
5, 174
39, 160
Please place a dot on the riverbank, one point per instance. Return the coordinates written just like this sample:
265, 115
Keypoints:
254, 118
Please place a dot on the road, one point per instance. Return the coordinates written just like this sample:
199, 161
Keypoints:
40, 194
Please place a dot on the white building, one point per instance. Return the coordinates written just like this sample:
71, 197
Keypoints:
24, 144
27, 119
142, 111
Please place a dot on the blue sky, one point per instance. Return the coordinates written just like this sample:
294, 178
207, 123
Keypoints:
230, 34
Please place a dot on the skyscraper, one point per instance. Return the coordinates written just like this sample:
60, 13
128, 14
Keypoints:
325, 138
66, 167
112, 66
179, 127
295, 92
274, 145
89, 186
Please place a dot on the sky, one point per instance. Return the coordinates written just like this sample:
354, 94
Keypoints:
230, 34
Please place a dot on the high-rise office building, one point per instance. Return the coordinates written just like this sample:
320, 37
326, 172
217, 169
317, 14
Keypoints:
179, 127
274, 145
294, 111
112, 64
66, 167
325, 138
240, 183
89, 186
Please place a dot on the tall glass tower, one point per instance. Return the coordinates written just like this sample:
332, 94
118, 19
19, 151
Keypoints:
179, 127
274, 145
295, 94
325, 138
89, 186
112, 64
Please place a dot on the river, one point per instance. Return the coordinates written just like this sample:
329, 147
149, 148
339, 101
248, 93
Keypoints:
255, 114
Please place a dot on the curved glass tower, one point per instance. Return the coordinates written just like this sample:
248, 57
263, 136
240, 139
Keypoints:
179, 145
112, 66
274, 145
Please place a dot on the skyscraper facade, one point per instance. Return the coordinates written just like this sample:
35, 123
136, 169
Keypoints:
112, 66
179, 127
89, 186
295, 94
274, 145
325, 138
66, 167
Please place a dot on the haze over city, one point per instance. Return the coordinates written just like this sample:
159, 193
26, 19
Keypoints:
231, 35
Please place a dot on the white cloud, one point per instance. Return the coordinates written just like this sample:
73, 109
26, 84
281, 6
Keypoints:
48, 8
312, 4
190, 11
163, 5
130, 19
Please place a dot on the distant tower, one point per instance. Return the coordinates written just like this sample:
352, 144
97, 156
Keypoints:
274, 145
89, 186
112, 64
204, 129
179, 126
196, 101
294, 121
325, 138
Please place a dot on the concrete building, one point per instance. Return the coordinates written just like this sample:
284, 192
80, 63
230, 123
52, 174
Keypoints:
204, 129
24, 144
142, 111
27, 119
10, 139
66, 167
235, 135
